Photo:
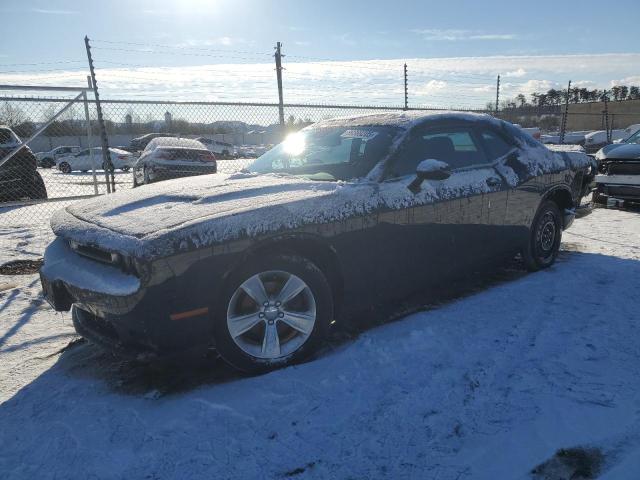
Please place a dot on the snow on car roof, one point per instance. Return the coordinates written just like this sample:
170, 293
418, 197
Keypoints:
404, 120
174, 142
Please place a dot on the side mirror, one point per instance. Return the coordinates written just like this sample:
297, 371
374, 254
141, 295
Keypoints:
429, 170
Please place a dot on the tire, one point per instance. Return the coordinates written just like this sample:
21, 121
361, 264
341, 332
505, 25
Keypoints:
37, 190
545, 236
598, 199
310, 310
64, 167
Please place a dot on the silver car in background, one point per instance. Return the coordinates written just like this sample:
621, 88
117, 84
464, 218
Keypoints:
165, 158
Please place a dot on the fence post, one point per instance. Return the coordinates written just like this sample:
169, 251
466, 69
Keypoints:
278, 57
563, 128
106, 157
90, 140
406, 89
497, 94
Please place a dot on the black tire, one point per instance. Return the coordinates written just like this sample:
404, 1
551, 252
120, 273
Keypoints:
296, 265
64, 167
597, 198
545, 236
37, 190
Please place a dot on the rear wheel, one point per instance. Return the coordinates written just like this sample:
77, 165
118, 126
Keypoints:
64, 167
37, 190
545, 235
275, 311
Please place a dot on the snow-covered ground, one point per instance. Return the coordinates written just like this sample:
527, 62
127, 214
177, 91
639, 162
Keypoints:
486, 386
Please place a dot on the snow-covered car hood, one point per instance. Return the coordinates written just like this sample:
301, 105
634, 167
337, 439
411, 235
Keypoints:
623, 151
182, 214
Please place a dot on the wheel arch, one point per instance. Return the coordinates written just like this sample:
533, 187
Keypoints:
561, 196
313, 247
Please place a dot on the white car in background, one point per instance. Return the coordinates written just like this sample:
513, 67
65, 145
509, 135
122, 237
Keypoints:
48, 159
221, 148
570, 138
88, 159
596, 140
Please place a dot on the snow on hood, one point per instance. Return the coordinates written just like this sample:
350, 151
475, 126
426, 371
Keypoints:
205, 210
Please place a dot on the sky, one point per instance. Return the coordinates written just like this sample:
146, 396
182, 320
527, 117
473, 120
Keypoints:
335, 51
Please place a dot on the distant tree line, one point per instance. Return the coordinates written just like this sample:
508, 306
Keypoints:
555, 97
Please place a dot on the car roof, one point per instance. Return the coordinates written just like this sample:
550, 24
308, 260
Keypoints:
402, 120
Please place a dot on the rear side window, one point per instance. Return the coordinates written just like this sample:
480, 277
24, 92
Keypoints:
456, 146
496, 145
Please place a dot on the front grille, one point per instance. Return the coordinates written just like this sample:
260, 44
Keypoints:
624, 168
95, 253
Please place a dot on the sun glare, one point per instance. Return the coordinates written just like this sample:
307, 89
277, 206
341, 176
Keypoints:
294, 144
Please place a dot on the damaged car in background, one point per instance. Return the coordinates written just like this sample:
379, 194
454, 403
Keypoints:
619, 171
345, 214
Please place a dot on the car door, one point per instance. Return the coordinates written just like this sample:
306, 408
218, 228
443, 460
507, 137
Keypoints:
444, 230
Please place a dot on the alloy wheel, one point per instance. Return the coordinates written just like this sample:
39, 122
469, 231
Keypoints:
271, 314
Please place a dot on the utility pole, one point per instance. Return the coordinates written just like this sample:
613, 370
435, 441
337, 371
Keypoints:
497, 94
106, 158
563, 128
406, 89
279, 56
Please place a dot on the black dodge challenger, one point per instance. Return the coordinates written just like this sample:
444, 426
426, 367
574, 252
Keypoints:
341, 215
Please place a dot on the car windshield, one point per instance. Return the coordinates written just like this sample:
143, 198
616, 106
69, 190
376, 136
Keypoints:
336, 153
635, 138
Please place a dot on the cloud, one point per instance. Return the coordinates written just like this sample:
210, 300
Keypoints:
520, 72
455, 35
46, 11
455, 82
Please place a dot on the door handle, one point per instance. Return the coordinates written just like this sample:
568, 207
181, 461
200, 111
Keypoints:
493, 181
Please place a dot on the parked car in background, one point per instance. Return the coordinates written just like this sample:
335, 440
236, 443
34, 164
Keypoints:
594, 141
344, 213
48, 159
619, 171
140, 143
84, 160
19, 178
221, 148
570, 138
165, 158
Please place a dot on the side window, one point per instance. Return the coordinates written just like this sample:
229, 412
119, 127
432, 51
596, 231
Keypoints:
456, 146
496, 145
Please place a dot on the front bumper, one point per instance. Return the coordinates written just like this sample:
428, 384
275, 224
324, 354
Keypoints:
166, 317
625, 187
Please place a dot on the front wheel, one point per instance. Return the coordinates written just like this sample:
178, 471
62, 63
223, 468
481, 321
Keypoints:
545, 235
274, 311
65, 167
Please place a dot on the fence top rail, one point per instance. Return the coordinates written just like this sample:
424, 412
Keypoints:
43, 88
246, 104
